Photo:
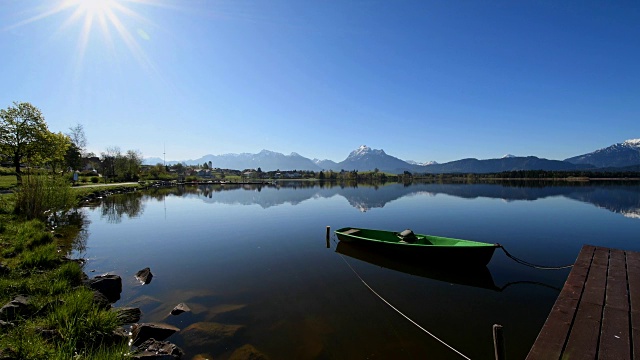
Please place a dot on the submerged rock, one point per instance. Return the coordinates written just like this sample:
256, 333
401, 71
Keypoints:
210, 335
144, 275
153, 349
127, 315
248, 352
109, 285
145, 331
180, 308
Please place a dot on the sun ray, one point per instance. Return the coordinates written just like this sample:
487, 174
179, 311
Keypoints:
105, 15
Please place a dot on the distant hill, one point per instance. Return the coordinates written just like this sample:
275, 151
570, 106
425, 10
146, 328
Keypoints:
513, 163
265, 160
617, 155
616, 158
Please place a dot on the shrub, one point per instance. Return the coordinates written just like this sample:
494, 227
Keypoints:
40, 194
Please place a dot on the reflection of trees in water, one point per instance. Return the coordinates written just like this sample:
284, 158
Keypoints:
72, 225
114, 207
621, 197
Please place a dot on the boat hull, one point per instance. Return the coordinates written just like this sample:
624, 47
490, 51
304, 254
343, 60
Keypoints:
427, 249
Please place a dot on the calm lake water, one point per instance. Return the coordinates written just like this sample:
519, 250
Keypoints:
252, 263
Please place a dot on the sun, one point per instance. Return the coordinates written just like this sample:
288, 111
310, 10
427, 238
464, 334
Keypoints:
115, 19
93, 8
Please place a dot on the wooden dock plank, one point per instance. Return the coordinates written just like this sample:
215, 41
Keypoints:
633, 276
597, 314
614, 340
617, 295
595, 287
552, 337
615, 337
584, 334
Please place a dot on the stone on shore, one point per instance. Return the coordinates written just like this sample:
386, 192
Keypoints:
18, 307
109, 285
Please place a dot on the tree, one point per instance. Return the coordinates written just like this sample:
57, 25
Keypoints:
108, 161
134, 162
57, 145
73, 157
23, 134
76, 134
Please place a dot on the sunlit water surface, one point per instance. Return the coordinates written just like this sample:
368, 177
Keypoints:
257, 258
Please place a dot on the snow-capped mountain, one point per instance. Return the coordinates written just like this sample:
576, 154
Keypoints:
325, 164
265, 160
422, 164
622, 154
365, 158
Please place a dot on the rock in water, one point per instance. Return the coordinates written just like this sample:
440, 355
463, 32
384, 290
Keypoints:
144, 275
127, 315
145, 331
209, 335
153, 349
248, 352
179, 309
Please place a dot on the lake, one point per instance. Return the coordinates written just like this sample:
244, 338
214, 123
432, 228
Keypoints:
253, 265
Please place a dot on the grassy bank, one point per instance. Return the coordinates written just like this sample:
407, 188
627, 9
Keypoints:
60, 319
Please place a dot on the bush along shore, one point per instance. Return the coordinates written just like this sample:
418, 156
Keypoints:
50, 309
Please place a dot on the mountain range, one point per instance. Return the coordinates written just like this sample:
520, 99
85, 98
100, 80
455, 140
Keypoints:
622, 155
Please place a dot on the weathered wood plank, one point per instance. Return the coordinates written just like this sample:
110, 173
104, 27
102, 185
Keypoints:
585, 331
615, 338
595, 286
584, 334
633, 275
555, 330
597, 314
617, 295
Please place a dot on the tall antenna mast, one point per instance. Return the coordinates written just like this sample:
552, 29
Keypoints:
164, 154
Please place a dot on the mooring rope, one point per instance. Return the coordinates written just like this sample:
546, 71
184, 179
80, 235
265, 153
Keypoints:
526, 263
399, 312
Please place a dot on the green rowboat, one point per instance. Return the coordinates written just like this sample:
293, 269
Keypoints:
428, 248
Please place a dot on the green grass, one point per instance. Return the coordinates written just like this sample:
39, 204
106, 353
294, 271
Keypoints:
66, 324
7, 182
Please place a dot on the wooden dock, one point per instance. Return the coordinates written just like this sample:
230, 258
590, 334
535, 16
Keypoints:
597, 314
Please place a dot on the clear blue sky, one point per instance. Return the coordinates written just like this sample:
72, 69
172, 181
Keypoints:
423, 80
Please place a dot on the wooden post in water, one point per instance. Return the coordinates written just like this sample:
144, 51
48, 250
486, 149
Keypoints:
498, 342
328, 236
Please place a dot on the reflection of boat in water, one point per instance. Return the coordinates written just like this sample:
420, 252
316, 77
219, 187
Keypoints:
474, 276
477, 276
428, 248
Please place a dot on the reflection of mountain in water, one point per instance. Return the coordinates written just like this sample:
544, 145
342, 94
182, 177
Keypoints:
619, 198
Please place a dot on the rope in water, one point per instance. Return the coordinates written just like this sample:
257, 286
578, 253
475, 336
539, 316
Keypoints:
526, 263
399, 312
